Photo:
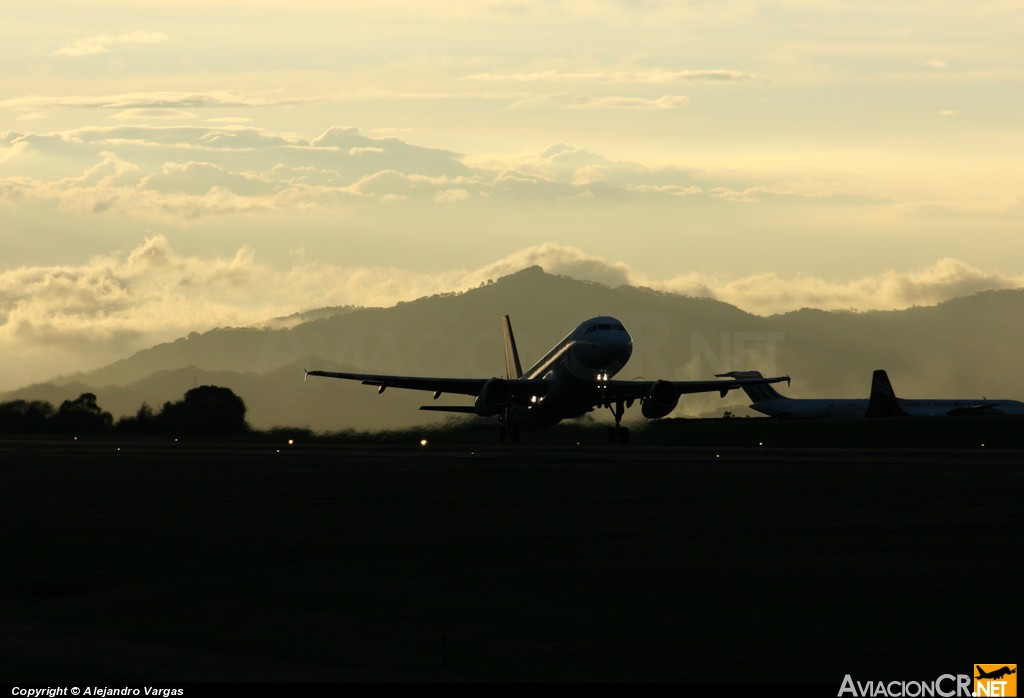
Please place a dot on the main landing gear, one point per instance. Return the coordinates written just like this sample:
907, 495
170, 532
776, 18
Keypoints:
618, 432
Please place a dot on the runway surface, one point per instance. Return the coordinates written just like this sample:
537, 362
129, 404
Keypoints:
268, 562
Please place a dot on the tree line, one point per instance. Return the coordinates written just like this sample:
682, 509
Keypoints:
207, 409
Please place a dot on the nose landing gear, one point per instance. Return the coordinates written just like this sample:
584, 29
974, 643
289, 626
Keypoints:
618, 432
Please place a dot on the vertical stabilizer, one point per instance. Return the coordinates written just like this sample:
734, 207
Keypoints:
883, 402
513, 369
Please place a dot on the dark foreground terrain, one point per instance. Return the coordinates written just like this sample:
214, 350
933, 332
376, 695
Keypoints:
263, 562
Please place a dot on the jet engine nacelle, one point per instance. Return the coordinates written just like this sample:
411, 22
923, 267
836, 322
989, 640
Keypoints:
661, 399
493, 397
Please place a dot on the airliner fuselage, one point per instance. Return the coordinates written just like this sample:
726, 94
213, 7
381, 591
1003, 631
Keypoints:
576, 371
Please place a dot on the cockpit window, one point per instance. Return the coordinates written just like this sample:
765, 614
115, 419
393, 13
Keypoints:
604, 327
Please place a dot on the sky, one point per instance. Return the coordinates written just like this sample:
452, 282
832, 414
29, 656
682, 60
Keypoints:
168, 167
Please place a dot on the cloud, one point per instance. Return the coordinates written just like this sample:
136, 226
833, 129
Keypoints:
149, 114
558, 259
230, 120
769, 293
93, 45
153, 100
66, 318
180, 174
648, 77
200, 178
566, 101
235, 99
193, 171
119, 302
105, 307
188, 171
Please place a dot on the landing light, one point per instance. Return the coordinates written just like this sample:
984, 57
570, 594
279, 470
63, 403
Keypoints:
423, 442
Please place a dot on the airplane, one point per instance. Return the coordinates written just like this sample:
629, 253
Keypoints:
766, 400
570, 380
882, 403
995, 673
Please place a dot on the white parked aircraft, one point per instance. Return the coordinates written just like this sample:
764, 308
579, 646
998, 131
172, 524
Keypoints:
767, 400
573, 378
882, 403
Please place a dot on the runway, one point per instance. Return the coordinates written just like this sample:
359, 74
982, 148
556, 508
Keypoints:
270, 562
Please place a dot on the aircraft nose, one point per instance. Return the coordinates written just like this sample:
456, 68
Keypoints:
611, 352
625, 348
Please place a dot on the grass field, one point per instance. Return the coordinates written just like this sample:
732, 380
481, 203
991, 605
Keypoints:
261, 562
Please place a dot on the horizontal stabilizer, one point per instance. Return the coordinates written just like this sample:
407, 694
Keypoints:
756, 390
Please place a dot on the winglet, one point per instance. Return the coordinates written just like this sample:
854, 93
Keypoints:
513, 369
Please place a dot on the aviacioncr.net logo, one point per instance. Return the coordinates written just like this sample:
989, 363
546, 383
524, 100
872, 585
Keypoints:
995, 680
945, 686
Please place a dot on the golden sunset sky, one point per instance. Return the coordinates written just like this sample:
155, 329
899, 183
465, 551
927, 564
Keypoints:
174, 167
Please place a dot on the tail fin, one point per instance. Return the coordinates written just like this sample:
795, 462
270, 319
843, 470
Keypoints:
883, 402
513, 369
757, 392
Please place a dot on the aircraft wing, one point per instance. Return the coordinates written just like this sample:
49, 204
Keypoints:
521, 389
634, 390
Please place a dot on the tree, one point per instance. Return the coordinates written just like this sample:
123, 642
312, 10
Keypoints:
208, 409
82, 416
24, 417
143, 421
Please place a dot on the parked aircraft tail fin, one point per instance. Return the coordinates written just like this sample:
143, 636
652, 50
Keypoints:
513, 369
883, 402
